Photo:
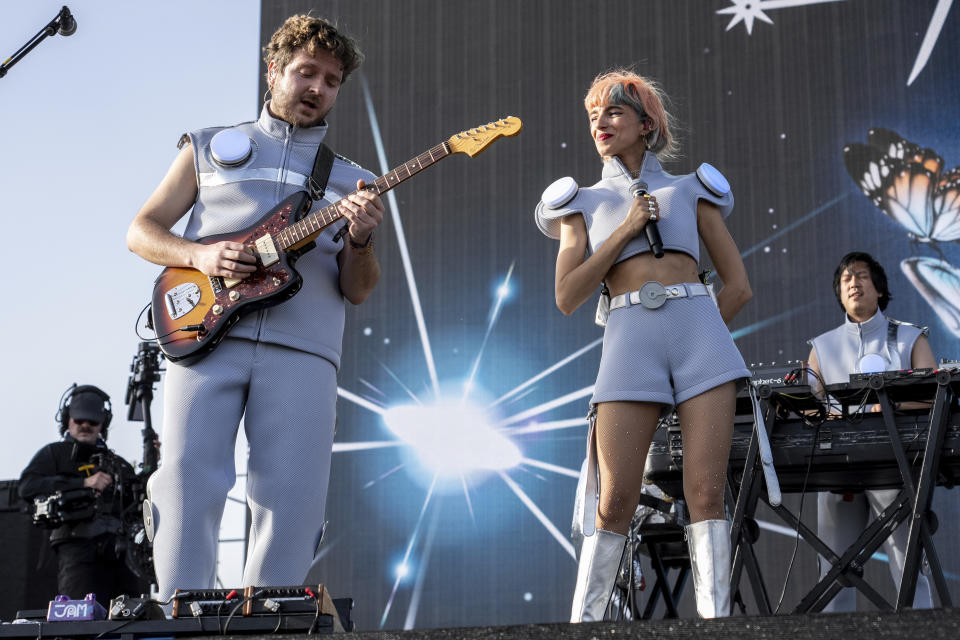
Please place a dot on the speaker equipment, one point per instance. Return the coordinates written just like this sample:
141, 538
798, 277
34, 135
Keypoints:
29, 576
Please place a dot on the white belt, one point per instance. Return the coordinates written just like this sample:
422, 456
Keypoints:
653, 295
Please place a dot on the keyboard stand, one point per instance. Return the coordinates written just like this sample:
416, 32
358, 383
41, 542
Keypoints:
912, 503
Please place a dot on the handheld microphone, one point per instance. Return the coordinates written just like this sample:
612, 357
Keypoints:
68, 25
639, 188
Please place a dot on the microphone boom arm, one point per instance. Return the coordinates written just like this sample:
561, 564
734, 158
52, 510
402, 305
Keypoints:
57, 25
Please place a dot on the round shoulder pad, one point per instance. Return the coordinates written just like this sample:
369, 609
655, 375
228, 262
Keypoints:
713, 179
230, 147
559, 193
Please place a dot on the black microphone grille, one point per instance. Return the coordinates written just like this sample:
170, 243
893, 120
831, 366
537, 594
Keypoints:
68, 24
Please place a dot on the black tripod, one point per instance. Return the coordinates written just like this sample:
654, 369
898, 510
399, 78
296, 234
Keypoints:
145, 372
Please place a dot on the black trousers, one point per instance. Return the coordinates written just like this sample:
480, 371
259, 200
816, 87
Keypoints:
91, 565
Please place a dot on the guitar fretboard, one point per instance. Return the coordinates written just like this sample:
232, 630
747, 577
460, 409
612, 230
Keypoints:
307, 229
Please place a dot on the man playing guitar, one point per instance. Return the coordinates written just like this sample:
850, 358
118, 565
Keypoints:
276, 368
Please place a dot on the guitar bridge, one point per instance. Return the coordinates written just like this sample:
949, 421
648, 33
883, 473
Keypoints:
181, 299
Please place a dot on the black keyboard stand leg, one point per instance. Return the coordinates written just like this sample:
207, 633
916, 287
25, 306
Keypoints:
848, 567
743, 554
920, 539
680, 583
662, 587
652, 601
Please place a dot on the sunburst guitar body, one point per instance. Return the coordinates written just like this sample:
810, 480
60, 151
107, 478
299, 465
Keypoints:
192, 312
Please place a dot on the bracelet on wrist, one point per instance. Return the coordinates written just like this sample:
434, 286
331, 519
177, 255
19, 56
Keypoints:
364, 248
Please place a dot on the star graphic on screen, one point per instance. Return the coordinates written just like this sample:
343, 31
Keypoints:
747, 11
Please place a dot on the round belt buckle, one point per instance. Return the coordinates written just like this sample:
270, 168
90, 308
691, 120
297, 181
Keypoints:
653, 295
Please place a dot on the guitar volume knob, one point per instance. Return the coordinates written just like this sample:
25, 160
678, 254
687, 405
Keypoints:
234, 295
217, 309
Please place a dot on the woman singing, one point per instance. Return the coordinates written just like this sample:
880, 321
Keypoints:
666, 342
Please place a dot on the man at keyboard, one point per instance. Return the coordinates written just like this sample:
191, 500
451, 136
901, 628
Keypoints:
866, 342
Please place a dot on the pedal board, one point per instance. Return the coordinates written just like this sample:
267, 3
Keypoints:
261, 601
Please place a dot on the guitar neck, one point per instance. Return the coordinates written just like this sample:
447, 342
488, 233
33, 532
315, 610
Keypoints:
306, 230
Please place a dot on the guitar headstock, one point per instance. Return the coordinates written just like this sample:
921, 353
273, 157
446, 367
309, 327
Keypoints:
473, 141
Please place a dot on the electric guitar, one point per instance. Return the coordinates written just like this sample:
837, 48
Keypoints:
192, 312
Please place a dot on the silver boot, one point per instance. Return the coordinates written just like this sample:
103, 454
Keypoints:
709, 545
600, 558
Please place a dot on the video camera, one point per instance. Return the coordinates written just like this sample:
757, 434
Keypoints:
77, 505
65, 507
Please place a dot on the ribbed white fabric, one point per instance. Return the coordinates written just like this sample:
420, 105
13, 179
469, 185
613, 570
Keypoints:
287, 399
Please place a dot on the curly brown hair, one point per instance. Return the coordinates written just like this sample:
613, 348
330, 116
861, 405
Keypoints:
312, 34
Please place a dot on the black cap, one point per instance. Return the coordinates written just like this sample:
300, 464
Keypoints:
88, 405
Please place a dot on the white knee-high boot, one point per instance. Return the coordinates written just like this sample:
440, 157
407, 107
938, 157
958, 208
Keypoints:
709, 545
600, 559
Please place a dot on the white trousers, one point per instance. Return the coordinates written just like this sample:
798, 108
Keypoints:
287, 400
840, 523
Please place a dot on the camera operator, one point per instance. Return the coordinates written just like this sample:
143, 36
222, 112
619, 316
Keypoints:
88, 543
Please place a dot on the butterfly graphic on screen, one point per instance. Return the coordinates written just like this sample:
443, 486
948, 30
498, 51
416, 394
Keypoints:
908, 183
938, 282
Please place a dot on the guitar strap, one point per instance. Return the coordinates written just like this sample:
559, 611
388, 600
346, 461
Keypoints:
322, 165
317, 186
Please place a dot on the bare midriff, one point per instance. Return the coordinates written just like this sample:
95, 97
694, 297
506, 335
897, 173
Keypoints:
674, 267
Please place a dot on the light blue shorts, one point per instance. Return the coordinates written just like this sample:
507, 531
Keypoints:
666, 355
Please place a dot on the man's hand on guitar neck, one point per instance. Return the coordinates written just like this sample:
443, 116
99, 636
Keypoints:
227, 259
364, 210
359, 269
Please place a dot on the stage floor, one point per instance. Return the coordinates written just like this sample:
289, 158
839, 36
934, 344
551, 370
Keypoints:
931, 624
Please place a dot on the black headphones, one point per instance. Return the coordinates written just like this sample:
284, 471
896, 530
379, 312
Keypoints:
63, 411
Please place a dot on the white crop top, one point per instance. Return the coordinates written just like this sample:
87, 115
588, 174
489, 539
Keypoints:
604, 206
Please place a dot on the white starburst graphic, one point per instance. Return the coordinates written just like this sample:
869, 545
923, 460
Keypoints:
747, 11
456, 440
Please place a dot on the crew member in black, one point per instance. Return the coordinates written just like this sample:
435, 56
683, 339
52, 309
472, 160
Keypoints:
90, 551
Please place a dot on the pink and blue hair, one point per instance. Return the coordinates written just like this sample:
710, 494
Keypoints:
644, 96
